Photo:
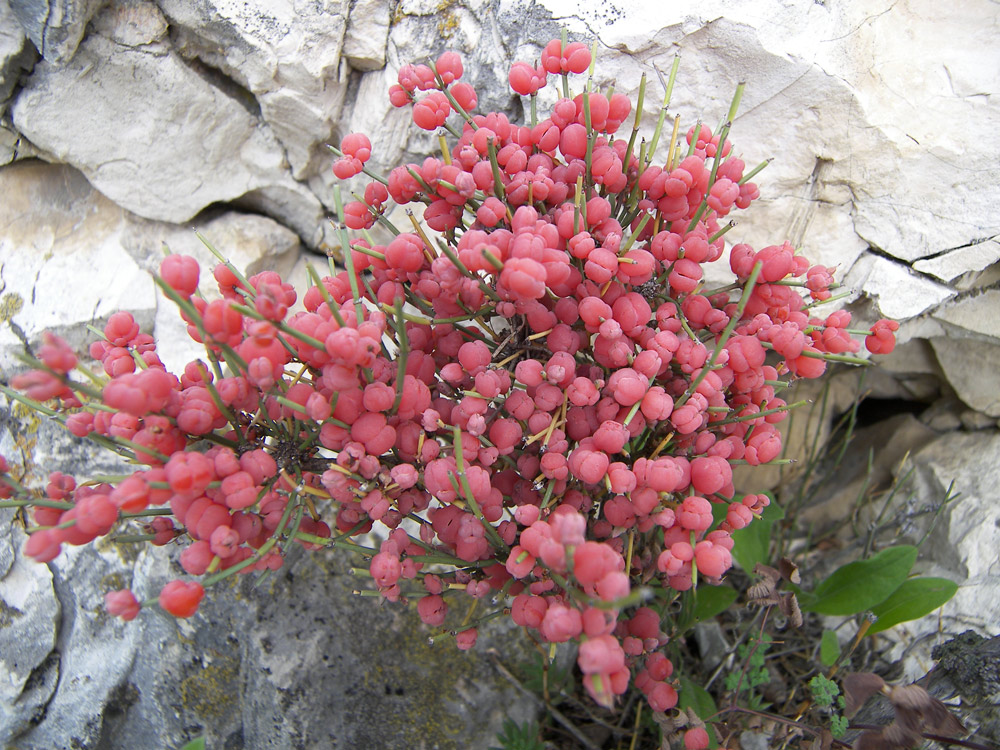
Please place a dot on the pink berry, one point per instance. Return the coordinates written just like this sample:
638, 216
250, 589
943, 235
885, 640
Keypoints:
122, 604
466, 639
449, 67
465, 96
181, 273
696, 739
432, 610
181, 598
357, 146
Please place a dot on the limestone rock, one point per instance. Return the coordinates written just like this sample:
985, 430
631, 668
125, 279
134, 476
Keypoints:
155, 136
974, 313
62, 263
952, 264
55, 26
69, 257
965, 537
132, 23
971, 369
55, 644
15, 53
288, 56
14, 148
897, 293
297, 663
929, 174
29, 621
366, 34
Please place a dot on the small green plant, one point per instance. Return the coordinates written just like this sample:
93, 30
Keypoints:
516, 736
826, 695
753, 654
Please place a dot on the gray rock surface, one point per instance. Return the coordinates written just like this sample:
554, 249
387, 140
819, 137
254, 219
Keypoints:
29, 620
298, 663
366, 34
967, 366
55, 27
62, 240
16, 53
287, 54
122, 103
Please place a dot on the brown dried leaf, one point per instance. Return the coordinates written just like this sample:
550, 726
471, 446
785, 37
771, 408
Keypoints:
870, 740
789, 570
668, 729
901, 735
762, 590
858, 688
947, 724
790, 607
760, 569
917, 708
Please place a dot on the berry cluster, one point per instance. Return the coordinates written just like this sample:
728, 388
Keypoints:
530, 391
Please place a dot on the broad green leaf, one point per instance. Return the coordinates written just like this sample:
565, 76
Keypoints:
829, 648
860, 585
692, 695
752, 545
915, 598
719, 511
196, 744
712, 600
772, 512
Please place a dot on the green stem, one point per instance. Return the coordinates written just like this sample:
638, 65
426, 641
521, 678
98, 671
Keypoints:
668, 92
747, 291
766, 412
348, 258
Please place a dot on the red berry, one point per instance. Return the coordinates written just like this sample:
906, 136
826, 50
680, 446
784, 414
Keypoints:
181, 273
181, 598
122, 604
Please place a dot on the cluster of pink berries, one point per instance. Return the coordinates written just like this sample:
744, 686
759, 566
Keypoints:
542, 390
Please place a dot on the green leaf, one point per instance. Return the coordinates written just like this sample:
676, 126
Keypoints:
712, 600
694, 696
860, 585
829, 648
719, 511
196, 744
915, 598
752, 545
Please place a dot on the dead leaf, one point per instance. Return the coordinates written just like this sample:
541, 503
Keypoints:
858, 688
763, 592
789, 570
760, 569
790, 607
918, 708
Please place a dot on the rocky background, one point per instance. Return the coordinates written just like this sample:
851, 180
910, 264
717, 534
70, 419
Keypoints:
126, 125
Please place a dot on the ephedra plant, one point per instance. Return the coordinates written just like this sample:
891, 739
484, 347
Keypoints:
526, 387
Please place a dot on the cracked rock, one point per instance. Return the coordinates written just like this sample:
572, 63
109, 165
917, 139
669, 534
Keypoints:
897, 293
975, 313
16, 54
156, 137
64, 241
366, 34
29, 620
286, 54
55, 26
970, 259
971, 369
